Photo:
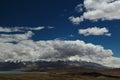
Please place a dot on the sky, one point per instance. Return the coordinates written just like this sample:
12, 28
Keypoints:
60, 29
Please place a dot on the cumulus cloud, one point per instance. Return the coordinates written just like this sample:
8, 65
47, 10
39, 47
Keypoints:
76, 20
25, 49
95, 31
28, 50
99, 10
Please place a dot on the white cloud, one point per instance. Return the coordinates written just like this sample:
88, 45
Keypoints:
112, 61
76, 20
15, 37
28, 50
19, 29
100, 9
6, 29
36, 28
95, 31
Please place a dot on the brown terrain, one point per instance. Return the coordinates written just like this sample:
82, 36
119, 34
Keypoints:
65, 74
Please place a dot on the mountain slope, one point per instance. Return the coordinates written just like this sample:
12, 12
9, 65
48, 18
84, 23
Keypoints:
53, 64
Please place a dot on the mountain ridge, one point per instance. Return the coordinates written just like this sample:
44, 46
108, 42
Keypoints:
53, 64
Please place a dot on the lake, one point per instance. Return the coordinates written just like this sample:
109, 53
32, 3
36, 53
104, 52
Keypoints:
20, 72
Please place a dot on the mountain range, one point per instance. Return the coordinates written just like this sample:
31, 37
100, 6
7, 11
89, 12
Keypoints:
50, 64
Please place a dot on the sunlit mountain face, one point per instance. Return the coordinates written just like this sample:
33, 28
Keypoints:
74, 32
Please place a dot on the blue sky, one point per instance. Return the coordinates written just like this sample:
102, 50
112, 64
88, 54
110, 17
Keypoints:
55, 15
